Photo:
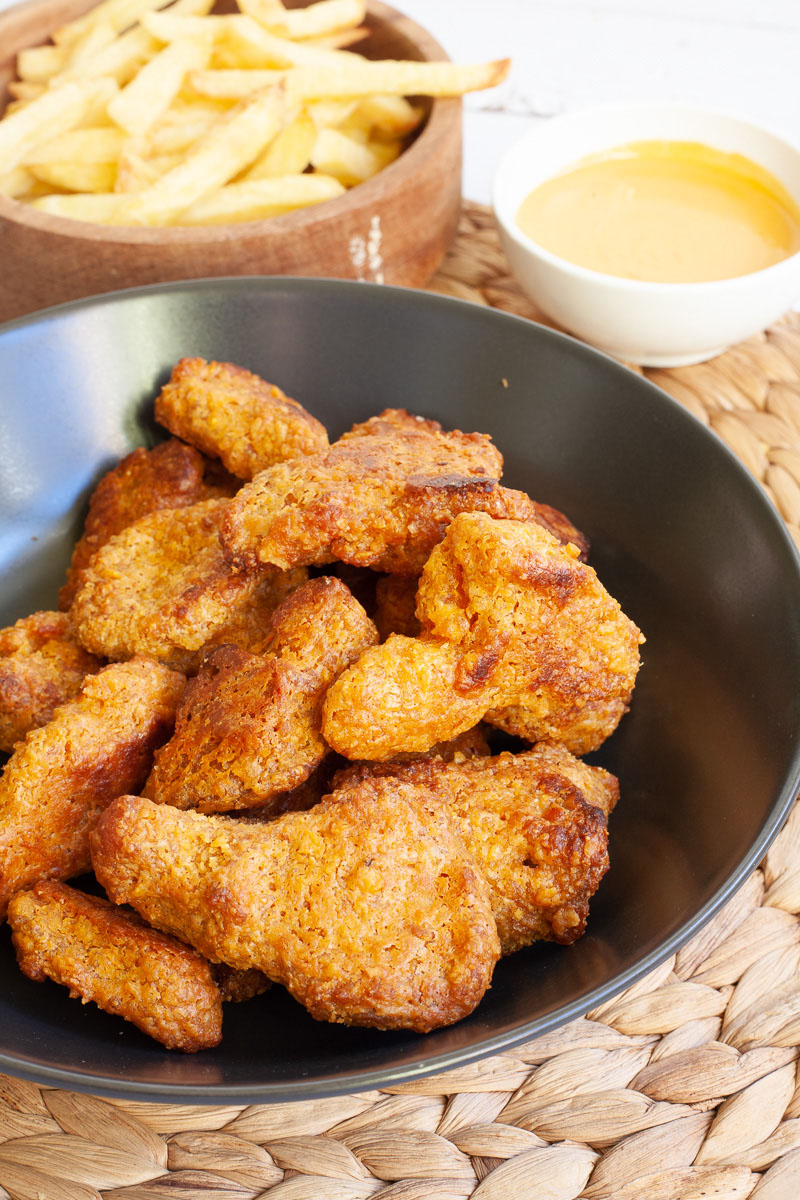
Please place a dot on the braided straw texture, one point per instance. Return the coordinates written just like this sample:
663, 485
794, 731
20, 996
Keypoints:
685, 1086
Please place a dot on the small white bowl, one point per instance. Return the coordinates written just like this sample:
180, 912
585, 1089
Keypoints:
655, 324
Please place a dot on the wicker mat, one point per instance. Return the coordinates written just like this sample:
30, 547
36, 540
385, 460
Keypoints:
685, 1086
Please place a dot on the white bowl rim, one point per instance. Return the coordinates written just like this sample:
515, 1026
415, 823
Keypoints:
709, 287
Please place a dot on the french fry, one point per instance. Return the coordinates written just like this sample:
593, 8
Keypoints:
253, 46
347, 159
168, 27
135, 171
340, 40
330, 113
255, 199
84, 49
149, 94
182, 125
324, 17
98, 209
155, 113
231, 144
122, 15
232, 83
94, 145
16, 183
55, 111
357, 78
119, 60
77, 177
39, 63
22, 93
289, 153
390, 114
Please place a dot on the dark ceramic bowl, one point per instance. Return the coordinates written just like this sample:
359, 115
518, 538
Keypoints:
681, 534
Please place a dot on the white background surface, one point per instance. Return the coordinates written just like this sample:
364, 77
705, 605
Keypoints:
742, 56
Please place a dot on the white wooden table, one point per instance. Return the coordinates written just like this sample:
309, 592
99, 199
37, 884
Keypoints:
739, 55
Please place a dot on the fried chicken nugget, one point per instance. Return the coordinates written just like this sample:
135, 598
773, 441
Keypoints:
59, 779
162, 588
110, 956
509, 616
381, 497
368, 910
171, 475
231, 414
534, 823
248, 726
41, 666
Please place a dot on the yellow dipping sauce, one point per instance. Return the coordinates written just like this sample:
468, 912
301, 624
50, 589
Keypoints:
664, 212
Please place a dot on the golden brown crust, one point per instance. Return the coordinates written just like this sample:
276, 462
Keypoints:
162, 588
59, 779
381, 497
248, 727
531, 824
41, 666
231, 414
510, 617
170, 475
110, 956
368, 909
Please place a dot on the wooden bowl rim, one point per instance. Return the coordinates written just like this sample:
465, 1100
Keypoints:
444, 117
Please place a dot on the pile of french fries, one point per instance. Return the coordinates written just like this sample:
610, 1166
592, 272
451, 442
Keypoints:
142, 114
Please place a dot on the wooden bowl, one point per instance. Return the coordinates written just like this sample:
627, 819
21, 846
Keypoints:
407, 213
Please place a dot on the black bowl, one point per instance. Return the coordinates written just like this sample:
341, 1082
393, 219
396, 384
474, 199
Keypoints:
682, 535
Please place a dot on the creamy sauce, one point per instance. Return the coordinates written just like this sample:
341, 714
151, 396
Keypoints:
668, 212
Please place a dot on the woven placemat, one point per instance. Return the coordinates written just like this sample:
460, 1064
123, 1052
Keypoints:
685, 1086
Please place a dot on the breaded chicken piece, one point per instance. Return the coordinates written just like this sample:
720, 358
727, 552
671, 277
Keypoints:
509, 616
248, 726
368, 909
41, 666
381, 497
170, 475
534, 823
233, 415
98, 745
162, 588
110, 956
395, 605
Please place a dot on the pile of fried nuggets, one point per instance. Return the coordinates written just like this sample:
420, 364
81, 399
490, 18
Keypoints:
276, 781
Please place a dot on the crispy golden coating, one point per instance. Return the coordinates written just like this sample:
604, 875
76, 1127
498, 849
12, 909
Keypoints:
534, 824
381, 497
170, 475
509, 616
162, 588
59, 779
248, 727
231, 414
367, 909
41, 666
112, 957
